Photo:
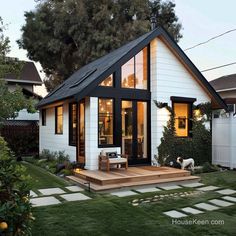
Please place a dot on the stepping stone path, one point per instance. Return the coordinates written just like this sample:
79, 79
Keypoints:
192, 185
229, 198
206, 206
208, 188
74, 197
44, 201
33, 194
74, 188
174, 214
226, 191
51, 191
221, 203
123, 193
191, 210
170, 187
147, 190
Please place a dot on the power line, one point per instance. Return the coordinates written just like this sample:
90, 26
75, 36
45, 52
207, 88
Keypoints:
207, 41
217, 67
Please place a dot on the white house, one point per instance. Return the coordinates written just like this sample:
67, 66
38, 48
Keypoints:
109, 104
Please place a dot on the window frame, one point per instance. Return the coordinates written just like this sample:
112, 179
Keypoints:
56, 116
71, 143
189, 102
113, 115
44, 117
148, 71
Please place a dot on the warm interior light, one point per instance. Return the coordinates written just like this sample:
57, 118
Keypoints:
77, 170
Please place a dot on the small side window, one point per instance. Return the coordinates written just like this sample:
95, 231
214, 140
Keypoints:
44, 115
59, 120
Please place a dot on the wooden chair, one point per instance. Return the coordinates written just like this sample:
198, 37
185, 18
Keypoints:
120, 160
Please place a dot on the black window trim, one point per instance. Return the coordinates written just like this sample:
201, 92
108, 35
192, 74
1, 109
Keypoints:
114, 123
148, 71
189, 102
71, 143
56, 120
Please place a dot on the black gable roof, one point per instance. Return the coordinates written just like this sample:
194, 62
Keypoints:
88, 77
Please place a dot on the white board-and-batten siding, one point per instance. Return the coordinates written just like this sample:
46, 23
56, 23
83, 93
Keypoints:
169, 77
56, 142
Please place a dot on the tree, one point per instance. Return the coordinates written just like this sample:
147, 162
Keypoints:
4, 41
65, 35
15, 210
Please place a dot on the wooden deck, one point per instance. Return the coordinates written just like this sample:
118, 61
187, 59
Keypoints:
133, 176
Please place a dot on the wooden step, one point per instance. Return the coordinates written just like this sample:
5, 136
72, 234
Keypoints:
119, 177
97, 187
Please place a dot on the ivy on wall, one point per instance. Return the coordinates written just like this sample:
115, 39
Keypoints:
197, 147
10, 66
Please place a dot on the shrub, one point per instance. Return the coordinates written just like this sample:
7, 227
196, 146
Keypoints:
15, 210
46, 154
197, 147
207, 167
66, 172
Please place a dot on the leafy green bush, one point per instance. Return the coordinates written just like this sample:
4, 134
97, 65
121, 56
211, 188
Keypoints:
197, 147
15, 209
66, 172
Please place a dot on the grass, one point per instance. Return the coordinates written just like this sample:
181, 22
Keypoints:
109, 215
42, 178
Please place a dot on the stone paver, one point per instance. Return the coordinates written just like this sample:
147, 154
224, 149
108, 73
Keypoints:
74, 188
44, 201
221, 203
191, 210
206, 206
123, 193
226, 191
174, 214
74, 197
147, 190
33, 194
192, 185
170, 187
229, 198
51, 191
208, 188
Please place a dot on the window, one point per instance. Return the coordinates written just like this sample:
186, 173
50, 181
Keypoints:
108, 82
59, 120
72, 123
134, 72
44, 114
105, 122
182, 119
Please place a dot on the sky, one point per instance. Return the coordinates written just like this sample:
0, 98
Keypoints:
201, 20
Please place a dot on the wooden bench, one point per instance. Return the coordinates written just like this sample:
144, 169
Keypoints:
105, 160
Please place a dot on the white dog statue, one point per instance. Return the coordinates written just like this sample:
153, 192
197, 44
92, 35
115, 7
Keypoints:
185, 163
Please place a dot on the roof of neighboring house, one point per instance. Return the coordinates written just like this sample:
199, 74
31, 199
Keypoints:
31, 94
83, 81
28, 74
227, 82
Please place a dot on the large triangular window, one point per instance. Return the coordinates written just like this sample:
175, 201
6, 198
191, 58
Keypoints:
134, 72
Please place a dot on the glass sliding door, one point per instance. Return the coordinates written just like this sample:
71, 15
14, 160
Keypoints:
135, 131
142, 130
127, 128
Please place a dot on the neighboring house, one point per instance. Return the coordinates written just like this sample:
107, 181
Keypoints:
28, 78
21, 133
109, 104
224, 125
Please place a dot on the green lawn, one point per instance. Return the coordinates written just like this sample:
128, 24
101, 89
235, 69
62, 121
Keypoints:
109, 215
42, 178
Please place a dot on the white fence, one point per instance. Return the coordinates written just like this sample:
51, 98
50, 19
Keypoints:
224, 141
